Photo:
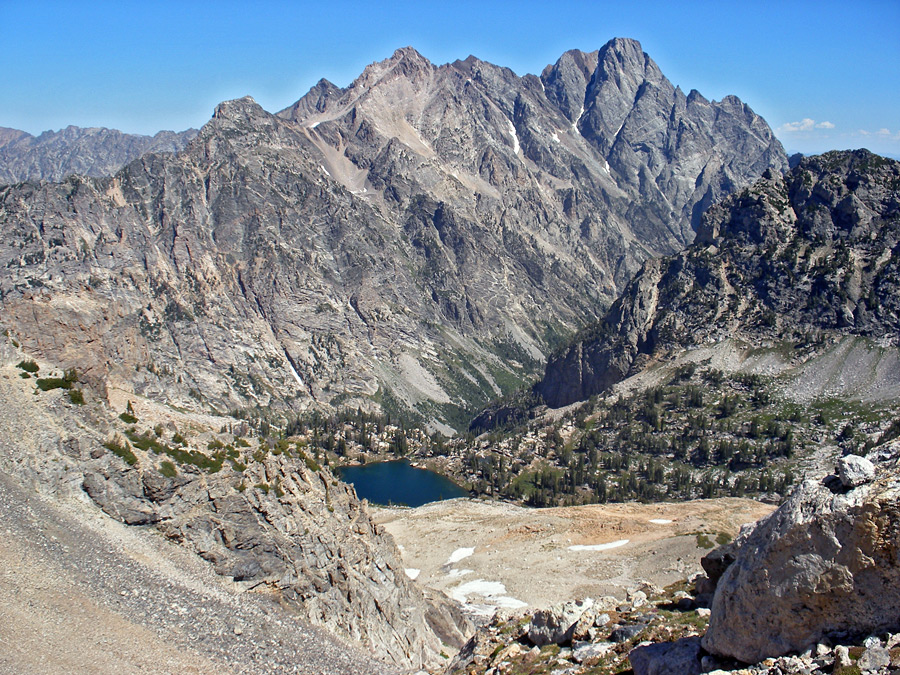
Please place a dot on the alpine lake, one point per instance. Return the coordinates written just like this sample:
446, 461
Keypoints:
397, 483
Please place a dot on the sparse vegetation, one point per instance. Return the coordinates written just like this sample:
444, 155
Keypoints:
69, 378
28, 366
121, 450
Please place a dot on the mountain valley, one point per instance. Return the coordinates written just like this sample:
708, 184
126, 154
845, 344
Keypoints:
416, 243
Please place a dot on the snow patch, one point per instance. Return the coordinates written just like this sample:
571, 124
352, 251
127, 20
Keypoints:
455, 574
660, 521
606, 167
554, 137
412, 573
325, 170
295, 374
515, 138
578, 119
459, 554
599, 547
493, 593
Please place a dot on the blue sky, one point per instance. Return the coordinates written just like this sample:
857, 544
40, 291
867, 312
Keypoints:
824, 74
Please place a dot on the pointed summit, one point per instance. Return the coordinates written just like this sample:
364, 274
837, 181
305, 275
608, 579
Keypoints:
406, 62
566, 81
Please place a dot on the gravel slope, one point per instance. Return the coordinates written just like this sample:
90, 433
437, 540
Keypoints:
80, 593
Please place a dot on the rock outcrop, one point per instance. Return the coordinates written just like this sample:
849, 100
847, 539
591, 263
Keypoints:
667, 658
419, 240
825, 565
793, 258
275, 523
88, 152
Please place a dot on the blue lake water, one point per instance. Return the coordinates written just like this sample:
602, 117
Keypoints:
399, 483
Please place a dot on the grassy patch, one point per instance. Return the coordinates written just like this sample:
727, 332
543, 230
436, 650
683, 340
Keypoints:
167, 469
703, 541
76, 396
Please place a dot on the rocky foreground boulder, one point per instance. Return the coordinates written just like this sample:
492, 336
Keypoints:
824, 566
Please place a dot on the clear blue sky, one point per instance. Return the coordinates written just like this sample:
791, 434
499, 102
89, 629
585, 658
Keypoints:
824, 74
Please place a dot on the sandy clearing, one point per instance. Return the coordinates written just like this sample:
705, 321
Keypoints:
527, 550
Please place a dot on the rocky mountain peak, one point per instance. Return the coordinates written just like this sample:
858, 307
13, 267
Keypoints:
405, 62
8, 135
387, 244
566, 81
94, 151
239, 108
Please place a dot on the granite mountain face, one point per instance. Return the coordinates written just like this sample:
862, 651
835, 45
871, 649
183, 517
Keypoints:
91, 152
419, 240
808, 258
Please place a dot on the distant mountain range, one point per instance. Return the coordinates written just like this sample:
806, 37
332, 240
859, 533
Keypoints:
418, 241
90, 152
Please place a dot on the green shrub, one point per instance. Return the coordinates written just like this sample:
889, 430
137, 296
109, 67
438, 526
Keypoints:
28, 366
25, 376
128, 418
69, 378
241, 443
167, 469
212, 464
76, 396
262, 486
215, 444
122, 451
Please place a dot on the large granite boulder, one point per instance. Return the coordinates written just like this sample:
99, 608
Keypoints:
557, 624
825, 564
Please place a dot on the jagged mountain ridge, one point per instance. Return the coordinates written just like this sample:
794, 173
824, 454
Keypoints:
795, 258
93, 151
421, 239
